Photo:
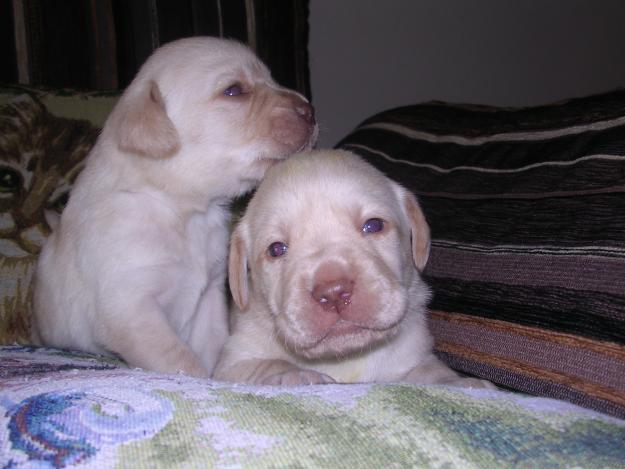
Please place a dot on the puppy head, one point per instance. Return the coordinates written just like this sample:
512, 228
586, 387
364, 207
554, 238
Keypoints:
333, 250
201, 107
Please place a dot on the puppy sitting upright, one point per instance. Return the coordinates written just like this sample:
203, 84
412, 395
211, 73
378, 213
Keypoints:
136, 266
334, 250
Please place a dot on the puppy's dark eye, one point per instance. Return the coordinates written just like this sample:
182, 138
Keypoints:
234, 90
277, 249
373, 225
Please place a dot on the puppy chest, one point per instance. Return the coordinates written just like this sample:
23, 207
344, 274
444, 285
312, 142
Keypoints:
206, 246
348, 371
389, 362
200, 266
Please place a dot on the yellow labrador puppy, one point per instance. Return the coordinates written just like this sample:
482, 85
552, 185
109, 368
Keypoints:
137, 264
334, 250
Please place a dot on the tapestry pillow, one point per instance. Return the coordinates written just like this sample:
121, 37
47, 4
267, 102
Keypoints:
527, 212
44, 137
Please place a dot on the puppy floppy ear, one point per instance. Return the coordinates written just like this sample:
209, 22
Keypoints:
419, 228
237, 269
144, 127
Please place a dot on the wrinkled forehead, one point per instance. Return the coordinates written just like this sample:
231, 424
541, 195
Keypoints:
235, 58
315, 195
205, 61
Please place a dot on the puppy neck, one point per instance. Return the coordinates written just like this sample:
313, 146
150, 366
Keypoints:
110, 171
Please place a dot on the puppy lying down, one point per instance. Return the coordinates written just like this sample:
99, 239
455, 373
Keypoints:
324, 269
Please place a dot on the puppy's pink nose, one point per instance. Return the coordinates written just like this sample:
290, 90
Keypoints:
334, 294
305, 111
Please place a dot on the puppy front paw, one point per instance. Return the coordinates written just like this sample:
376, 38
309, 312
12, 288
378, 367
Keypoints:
297, 377
433, 371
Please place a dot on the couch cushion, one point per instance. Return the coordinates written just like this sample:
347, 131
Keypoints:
527, 211
65, 410
44, 137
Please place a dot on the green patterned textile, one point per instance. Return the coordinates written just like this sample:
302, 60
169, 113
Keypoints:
68, 410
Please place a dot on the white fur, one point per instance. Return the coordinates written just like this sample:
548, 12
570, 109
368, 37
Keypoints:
317, 204
136, 267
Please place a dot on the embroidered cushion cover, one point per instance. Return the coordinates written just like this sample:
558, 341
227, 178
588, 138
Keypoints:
44, 137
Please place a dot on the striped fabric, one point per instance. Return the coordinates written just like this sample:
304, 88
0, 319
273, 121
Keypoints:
527, 212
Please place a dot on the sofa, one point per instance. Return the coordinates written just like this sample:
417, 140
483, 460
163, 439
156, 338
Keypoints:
527, 268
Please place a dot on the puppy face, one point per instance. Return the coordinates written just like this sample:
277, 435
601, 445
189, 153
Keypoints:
327, 240
206, 106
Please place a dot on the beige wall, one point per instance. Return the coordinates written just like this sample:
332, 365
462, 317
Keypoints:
369, 55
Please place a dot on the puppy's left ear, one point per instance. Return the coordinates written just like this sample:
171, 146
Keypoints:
144, 127
419, 228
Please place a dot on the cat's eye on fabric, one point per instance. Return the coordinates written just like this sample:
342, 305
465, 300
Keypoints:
10, 180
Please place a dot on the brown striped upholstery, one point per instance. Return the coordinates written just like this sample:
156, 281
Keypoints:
591, 371
527, 211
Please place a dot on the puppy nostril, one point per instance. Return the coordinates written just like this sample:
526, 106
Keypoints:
335, 294
306, 112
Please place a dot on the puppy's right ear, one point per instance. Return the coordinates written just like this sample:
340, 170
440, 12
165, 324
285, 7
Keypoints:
145, 127
420, 231
237, 269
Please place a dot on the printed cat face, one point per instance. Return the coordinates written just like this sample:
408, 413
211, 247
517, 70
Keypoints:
40, 157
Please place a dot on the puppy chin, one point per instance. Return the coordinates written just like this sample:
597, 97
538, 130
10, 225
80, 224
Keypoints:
342, 340
263, 165
264, 162
256, 172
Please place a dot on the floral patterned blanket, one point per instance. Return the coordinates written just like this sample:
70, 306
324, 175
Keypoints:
68, 410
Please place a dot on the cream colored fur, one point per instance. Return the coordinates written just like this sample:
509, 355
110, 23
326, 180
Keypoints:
341, 304
137, 266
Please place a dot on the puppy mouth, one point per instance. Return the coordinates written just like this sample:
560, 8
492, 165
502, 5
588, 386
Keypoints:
286, 150
271, 160
343, 328
267, 162
307, 146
